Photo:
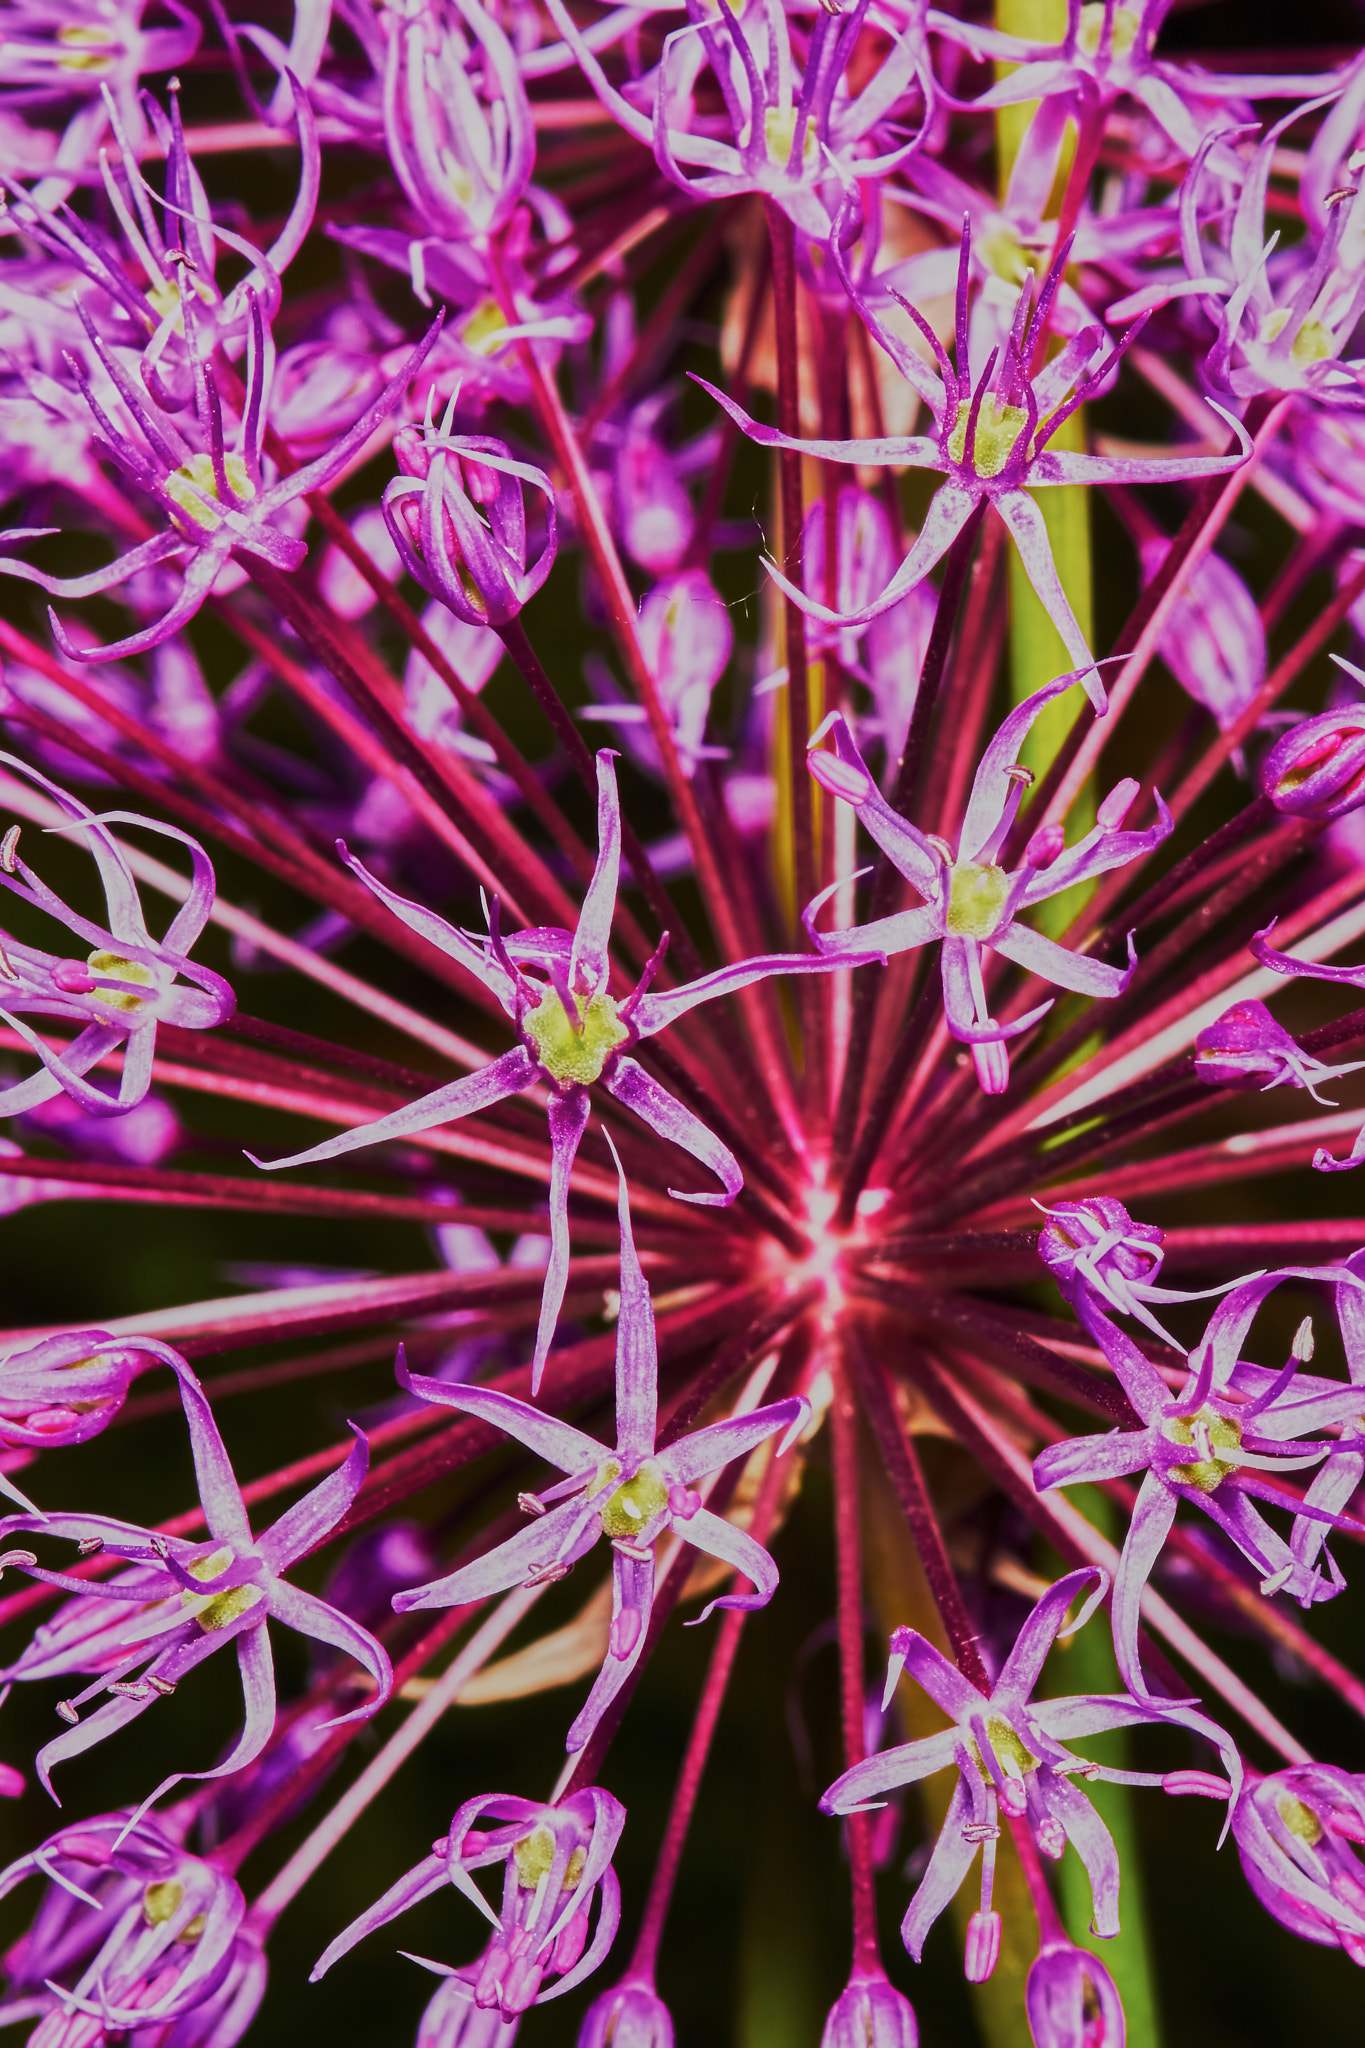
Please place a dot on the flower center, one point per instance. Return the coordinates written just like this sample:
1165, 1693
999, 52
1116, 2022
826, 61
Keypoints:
633, 1506
159, 1901
1300, 1820
575, 1053
1092, 29
1003, 254
1207, 1433
976, 895
113, 967
194, 481
998, 428
84, 49
779, 132
535, 1853
220, 1608
483, 328
1009, 1749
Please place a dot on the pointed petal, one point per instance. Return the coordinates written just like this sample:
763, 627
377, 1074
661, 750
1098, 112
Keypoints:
563, 1536
891, 1768
559, 1443
991, 785
568, 1121
304, 1525
632, 1595
589, 962
217, 1482
1148, 1529
1054, 963
637, 1350
442, 935
494, 1083
948, 1866
1024, 1666
719, 1538
322, 1623
428, 1877
663, 1113
1029, 533
1092, 1842
706, 1450
654, 1013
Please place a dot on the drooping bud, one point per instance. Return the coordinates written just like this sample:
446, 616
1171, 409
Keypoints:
631, 2016
1246, 1048
1071, 2000
871, 2013
457, 516
982, 1948
1317, 770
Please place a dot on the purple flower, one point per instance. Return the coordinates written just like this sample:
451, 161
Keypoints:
1216, 1444
1071, 1999
67, 1389
632, 2015
570, 1033
1093, 1247
798, 132
555, 1859
164, 1928
990, 443
147, 1628
127, 985
1246, 1048
1293, 1832
457, 122
452, 2020
1276, 332
632, 1494
457, 517
1106, 54
971, 902
1317, 770
1008, 1752
215, 496
1352, 977
870, 2013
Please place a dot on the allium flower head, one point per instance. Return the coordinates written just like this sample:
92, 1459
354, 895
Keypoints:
992, 423
1009, 1752
555, 1861
633, 1493
971, 902
163, 1925
457, 122
127, 985
572, 1032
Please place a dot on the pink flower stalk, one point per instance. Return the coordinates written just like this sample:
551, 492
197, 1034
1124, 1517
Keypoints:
556, 1860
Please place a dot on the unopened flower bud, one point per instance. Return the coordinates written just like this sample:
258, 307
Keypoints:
1116, 806
871, 2013
1292, 1831
840, 778
1071, 2000
1044, 847
631, 2016
1318, 769
983, 1947
992, 1063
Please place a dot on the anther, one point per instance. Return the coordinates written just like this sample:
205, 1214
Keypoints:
530, 1505
67, 1713
90, 1546
546, 1574
1277, 1579
941, 848
1342, 192
980, 1831
20, 1558
9, 850
164, 1686
1302, 1346
1017, 772
130, 1689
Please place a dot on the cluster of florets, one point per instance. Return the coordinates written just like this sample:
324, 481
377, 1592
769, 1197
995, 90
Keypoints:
153, 373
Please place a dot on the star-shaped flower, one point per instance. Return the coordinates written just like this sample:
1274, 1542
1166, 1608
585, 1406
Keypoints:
571, 1032
632, 1493
971, 902
990, 443
1217, 1444
148, 1627
1008, 1750
121, 990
